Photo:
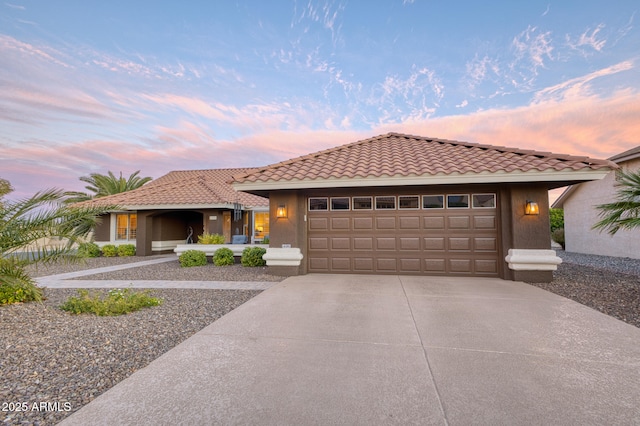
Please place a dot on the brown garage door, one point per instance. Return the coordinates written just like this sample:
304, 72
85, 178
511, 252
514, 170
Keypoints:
409, 234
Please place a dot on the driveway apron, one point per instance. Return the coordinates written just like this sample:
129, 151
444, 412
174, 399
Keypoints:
363, 349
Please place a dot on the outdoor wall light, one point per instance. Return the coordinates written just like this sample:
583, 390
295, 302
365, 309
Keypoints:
281, 212
531, 208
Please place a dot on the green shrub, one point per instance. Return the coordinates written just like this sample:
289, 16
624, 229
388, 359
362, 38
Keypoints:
192, 258
558, 236
116, 302
126, 250
252, 256
88, 250
17, 286
265, 240
109, 250
223, 256
556, 219
207, 238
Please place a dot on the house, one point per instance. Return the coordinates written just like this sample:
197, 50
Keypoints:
403, 204
580, 214
178, 207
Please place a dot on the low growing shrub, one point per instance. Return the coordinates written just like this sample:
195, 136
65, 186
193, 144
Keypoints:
16, 286
558, 236
223, 257
207, 238
192, 258
109, 250
126, 250
265, 240
116, 302
88, 250
252, 256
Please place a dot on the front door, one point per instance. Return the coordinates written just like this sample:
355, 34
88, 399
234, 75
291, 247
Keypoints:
226, 226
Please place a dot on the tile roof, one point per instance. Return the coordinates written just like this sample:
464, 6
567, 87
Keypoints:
400, 155
185, 188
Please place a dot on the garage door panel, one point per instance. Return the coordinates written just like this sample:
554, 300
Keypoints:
486, 266
434, 243
459, 222
340, 224
433, 222
409, 222
363, 243
385, 223
341, 243
460, 244
363, 264
488, 244
409, 243
319, 264
386, 243
318, 243
363, 223
460, 266
340, 264
318, 223
435, 266
484, 222
410, 265
387, 264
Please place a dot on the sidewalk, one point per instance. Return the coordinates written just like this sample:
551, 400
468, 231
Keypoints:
66, 280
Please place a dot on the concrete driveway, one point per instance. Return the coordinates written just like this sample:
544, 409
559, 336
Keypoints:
362, 349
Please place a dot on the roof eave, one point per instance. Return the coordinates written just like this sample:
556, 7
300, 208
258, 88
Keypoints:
135, 207
439, 179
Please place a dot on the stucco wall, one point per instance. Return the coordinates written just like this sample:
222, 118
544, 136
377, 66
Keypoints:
580, 215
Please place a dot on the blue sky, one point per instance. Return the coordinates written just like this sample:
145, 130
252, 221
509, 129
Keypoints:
90, 86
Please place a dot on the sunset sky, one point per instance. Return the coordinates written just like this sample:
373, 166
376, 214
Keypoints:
92, 86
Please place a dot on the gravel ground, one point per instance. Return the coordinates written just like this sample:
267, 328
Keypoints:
47, 355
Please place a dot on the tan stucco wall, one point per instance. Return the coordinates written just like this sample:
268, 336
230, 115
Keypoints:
580, 215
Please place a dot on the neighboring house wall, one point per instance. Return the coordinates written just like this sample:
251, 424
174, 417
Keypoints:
580, 215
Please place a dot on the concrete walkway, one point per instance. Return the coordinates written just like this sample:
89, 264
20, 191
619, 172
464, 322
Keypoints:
67, 280
354, 349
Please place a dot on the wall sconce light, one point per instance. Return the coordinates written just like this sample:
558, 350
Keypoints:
281, 212
531, 208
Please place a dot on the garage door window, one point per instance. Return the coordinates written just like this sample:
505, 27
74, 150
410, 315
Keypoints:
318, 204
409, 202
458, 201
385, 203
433, 201
341, 203
484, 201
362, 203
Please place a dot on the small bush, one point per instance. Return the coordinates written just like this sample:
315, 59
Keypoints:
252, 256
117, 302
192, 258
558, 236
207, 238
88, 250
16, 285
556, 219
126, 250
265, 240
109, 250
223, 256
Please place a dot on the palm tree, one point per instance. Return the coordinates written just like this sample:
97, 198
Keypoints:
25, 227
624, 213
103, 185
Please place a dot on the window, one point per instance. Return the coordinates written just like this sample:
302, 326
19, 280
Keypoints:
362, 203
484, 201
433, 201
457, 201
318, 204
126, 226
261, 224
385, 203
340, 203
409, 202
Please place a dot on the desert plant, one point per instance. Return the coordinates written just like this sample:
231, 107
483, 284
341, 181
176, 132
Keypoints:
558, 236
223, 257
126, 250
88, 249
103, 185
192, 258
624, 213
25, 227
207, 238
116, 302
252, 256
109, 250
